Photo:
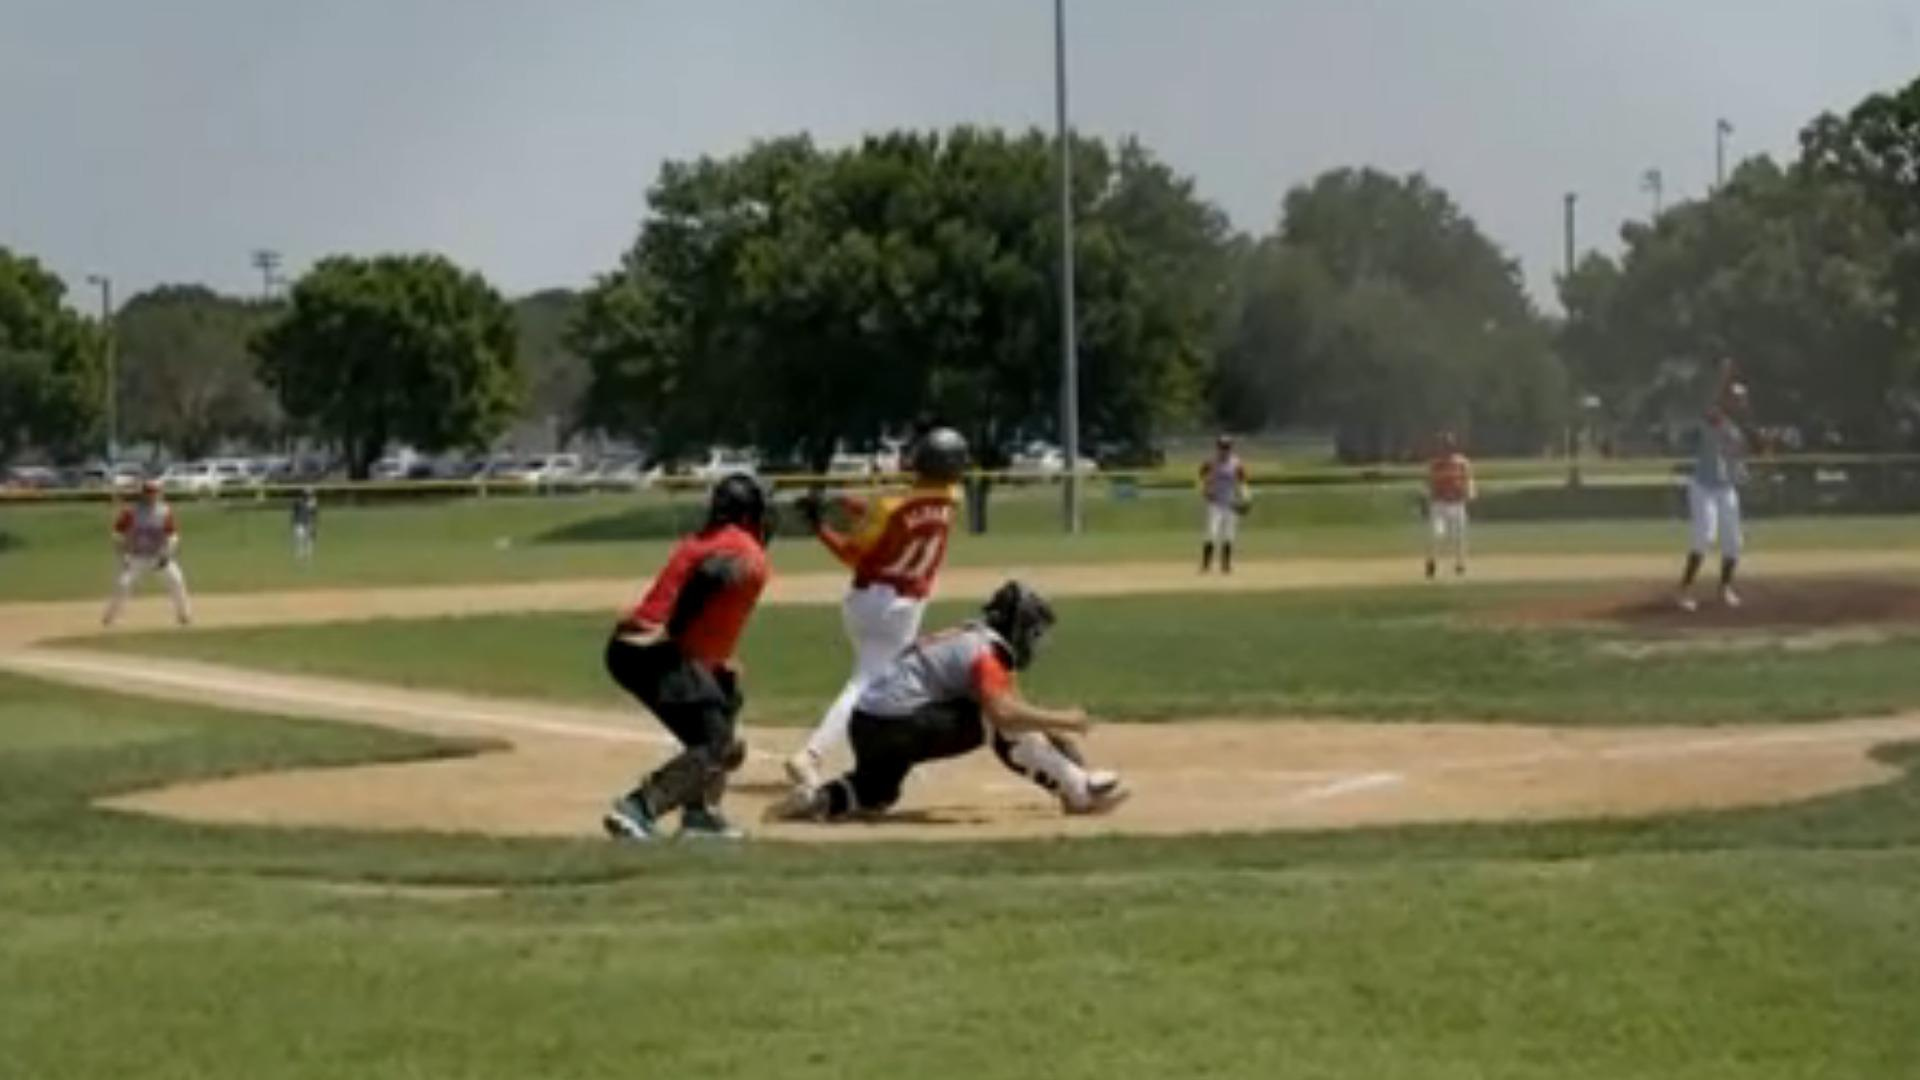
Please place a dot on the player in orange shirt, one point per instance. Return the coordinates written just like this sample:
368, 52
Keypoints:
674, 652
895, 553
1449, 488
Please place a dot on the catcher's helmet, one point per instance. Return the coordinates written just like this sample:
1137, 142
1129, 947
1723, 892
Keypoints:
1021, 617
940, 455
739, 500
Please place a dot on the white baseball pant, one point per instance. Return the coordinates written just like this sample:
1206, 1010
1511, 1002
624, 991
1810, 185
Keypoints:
302, 543
134, 567
880, 624
1447, 529
1715, 514
1222, 523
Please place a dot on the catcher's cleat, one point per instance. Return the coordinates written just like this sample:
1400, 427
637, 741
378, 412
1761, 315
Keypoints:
1104, 793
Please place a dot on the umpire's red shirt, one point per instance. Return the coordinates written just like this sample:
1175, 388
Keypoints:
716, 629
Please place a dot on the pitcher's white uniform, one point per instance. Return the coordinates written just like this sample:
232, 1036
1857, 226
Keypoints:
1713, 488
148, 540
895, 554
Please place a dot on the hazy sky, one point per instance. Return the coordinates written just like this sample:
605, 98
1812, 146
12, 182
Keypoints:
162, 140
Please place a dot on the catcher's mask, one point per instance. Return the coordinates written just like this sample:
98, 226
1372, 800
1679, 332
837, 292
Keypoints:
1021, 617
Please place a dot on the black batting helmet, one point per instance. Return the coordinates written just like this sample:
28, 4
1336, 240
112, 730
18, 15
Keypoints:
738, 499
939, 455
1021, 617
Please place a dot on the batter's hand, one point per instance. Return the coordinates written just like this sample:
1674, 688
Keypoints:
812, 509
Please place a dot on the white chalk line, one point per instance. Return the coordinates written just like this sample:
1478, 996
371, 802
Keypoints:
271, 692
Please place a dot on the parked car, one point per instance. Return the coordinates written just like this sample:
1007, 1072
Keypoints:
630, 471
31, 478
554, 470
203, 477
845, 464
722, 461
1046, 459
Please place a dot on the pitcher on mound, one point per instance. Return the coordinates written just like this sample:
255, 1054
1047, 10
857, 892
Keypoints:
895, 552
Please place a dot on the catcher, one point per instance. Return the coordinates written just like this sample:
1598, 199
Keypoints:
1223, 485
948, 695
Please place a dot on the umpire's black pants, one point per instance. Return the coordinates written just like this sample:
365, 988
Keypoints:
698, 704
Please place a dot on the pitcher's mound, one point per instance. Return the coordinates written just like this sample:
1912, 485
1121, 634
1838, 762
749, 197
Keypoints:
1790, 603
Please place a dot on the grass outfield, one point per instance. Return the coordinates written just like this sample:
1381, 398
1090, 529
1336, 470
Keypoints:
60, 551
1779, 943
1415, 653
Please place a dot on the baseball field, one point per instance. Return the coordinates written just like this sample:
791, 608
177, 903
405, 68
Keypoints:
1531, 823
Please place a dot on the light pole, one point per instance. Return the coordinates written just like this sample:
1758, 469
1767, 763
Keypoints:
1654, 183
1721, 129
1571, 198
1069, 349
267, 261
108, 347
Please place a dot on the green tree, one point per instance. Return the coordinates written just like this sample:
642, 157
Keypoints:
795, 298
188, 379
1378, 308
51, 365
406, 347
1793, 273
556, 376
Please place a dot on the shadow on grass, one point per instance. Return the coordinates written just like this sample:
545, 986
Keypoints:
663, 522
8, 542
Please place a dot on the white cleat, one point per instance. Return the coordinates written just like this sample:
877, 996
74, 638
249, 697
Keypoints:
803, 770
800, 804
1728, 597
1686, 602
1104, 793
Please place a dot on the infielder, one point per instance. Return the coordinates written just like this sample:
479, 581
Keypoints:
146, 539
1713, 492
674, 652
895, 553
306, 525
1223, 486
946, 696
1450, 487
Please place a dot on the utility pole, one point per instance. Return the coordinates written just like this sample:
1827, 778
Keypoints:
1571, 199
1721, 129
267, 261
1069, 348
1653, 182
109, 347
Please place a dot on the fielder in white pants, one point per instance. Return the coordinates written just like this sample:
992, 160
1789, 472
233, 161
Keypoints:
1713, 499
147, 540
1447, 532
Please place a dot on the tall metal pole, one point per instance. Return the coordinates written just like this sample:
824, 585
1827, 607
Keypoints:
109, 348
1571, 199
1721, 129
1655, 183
1069, 348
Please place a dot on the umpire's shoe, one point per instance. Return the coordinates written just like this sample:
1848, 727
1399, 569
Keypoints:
705, 823
629, 819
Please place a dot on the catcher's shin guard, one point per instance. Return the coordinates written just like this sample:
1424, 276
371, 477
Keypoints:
1053, 764
695, 777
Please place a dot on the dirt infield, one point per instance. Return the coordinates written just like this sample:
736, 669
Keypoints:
1841, 601
557, 765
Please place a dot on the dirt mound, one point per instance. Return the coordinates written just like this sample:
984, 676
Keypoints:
1793, 604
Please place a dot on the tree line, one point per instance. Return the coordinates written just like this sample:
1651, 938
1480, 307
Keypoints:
797, 298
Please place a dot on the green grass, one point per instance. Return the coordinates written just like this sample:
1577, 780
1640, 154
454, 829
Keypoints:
1396, 653
60, 551
1763, 944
